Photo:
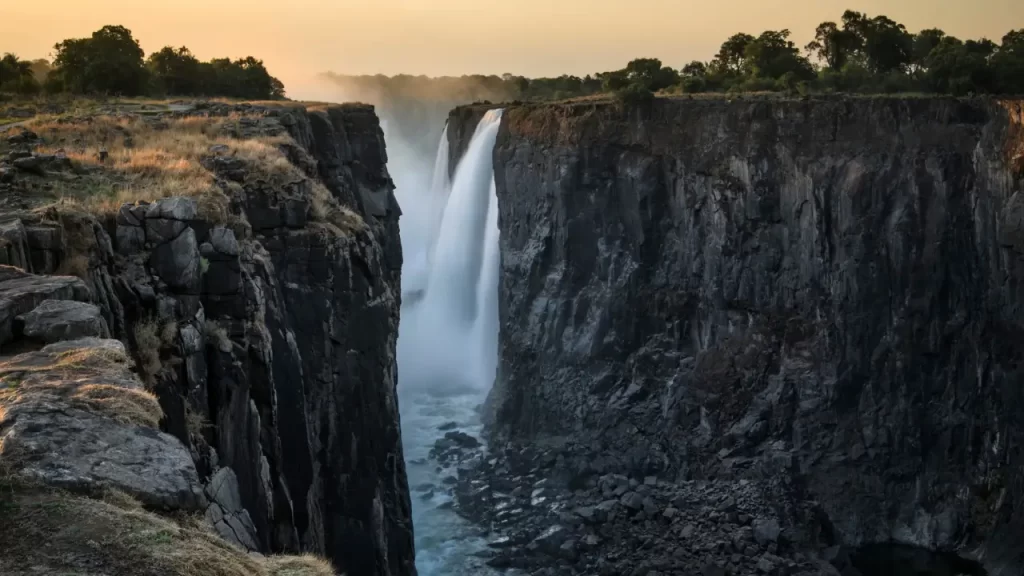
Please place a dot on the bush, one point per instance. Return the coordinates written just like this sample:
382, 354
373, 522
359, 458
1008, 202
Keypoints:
635, 94
16, 76
694, 84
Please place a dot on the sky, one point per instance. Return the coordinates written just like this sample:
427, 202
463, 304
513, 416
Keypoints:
298, 39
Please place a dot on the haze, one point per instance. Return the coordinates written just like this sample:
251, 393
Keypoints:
301, 38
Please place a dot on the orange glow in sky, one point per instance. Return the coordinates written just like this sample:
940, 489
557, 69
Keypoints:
300, 38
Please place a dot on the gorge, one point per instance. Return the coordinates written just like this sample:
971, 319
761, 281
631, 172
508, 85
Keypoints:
749, 335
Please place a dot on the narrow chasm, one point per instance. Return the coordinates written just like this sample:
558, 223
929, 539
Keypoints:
447, 346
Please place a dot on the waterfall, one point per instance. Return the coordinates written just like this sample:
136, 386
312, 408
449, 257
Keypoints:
438, 196
449, 338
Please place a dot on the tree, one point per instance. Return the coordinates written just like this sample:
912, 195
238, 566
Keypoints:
614, 81
111, 62
773, 55
41, 69
954, 67
924, 42
649, 73
1008, 63
833, 44
243, 78
884, 45
16, 75
694, 69
175, 71
730, 55
983, 47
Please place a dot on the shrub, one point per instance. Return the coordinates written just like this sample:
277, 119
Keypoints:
635, 94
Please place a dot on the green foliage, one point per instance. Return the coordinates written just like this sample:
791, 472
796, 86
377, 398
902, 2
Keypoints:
882, 44
955, 67
773, 56
732, 55
834, 45
1008, 64
16, 76
242, 78
635, 93
175, 71
650, 74
111, 62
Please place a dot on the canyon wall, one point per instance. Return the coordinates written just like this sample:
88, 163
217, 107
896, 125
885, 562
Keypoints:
823, 296
266, 330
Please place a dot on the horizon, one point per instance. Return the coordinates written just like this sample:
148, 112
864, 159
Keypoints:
447, 38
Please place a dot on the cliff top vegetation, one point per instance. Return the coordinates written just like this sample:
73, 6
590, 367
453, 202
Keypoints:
860, 54
98, 155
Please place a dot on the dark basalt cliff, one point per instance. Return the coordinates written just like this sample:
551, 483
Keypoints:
267, 334
825, 297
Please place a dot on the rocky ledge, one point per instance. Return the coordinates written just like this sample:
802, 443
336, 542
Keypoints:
814, 296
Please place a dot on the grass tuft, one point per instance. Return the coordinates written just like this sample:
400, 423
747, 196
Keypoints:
113, 535
90, 379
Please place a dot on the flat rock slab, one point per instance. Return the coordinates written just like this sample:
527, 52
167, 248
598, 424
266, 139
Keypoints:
56, 320
65, 422
21, 292
226, 513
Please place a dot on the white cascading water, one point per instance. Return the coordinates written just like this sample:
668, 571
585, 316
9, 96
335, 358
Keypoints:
448, 338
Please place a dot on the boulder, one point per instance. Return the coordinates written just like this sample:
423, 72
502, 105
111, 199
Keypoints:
21, 292
633, 501
552, 539
178, 262
224, 242
23, 137
39, 163
80, 420
226, 513
766, 531
166, 219
56, 320
462, 440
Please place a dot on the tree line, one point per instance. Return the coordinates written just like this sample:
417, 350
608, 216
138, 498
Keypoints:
858, 54
111, 62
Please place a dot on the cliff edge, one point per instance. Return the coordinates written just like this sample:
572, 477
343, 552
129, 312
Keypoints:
237, 270
822, 297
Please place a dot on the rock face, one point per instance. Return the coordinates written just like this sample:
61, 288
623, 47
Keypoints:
822, 296
73, 416
267, 333
56, 320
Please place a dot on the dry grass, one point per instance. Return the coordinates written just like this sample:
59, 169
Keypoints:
153, 158
305, 565
90, 379
146, 160
217, 335
195, 423
337, 218
114, 535
122, 404
151, 155
150, 338
147, 343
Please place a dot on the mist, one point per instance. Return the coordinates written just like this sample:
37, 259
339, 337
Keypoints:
447, 341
